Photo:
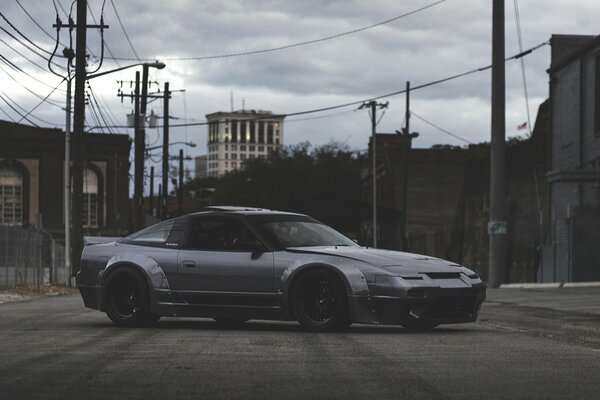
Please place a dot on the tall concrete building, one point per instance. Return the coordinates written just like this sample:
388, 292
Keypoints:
234, 137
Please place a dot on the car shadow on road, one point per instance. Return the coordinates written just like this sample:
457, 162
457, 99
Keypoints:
292, 327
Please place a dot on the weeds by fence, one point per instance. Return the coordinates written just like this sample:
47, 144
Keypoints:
30, 256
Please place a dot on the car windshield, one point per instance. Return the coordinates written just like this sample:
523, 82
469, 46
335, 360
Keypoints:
285, 231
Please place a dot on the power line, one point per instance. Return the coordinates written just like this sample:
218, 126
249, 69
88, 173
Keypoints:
524, 76
412, 113
22, 35
292, 45
34, 21
391, 94
124, 31
19, 69
31, 91
15, 110
25, 57
41, 102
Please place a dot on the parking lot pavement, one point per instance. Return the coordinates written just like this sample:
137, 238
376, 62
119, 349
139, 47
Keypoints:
584, 300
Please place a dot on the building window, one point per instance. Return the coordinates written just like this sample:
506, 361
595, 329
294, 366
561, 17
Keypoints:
11, 196
242, 148
252, 148
90, 199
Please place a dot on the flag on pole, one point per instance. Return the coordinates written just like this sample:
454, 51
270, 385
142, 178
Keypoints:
522, 126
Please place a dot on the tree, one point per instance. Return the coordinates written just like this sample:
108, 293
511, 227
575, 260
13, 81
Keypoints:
324, 182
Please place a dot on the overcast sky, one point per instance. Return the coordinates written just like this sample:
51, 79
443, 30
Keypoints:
443, 40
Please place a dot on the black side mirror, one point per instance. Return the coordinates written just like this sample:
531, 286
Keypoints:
246, 244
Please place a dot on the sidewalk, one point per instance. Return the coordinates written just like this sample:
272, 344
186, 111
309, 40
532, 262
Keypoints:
571, 299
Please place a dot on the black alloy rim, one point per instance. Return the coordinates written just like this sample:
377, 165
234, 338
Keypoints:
126, 298
319, 300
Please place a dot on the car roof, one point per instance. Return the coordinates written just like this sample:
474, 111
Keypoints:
242, 210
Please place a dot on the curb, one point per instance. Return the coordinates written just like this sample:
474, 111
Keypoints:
552, 285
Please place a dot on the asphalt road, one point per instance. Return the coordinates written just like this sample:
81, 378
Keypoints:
54, 348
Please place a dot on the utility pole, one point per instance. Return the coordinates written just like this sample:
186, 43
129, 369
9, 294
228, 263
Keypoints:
497, 226
165, 155
180, 191
373, 105
77, 135
140, 145
138, 167
152, 191
408, 137
74, 193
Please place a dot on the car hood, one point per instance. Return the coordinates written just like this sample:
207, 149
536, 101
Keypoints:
392, 261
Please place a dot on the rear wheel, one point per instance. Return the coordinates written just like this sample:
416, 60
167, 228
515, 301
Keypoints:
319, 301
127, 300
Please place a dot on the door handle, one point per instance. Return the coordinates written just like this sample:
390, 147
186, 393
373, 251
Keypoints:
189, 264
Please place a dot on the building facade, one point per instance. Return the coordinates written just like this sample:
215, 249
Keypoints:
32, 180
572, 253
234, 137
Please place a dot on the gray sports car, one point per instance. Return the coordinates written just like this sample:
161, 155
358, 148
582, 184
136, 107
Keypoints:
234, 264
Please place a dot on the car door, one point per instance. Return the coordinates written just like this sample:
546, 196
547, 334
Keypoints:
224, 263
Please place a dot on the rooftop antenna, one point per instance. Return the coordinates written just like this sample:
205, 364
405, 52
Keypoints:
231, 100
243, 104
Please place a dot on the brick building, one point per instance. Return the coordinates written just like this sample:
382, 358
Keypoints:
32, 187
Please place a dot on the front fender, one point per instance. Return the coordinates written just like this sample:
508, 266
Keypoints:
352, 278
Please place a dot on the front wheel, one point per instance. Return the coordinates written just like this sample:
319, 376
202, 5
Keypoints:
127, 301
320, 302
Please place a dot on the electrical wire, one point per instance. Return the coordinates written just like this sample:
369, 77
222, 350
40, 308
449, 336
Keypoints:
19, 69
22, 55
26, 46
45, 99
34, 21
291, 45
124, 31
412, 113
22, 35
524, 76
55, 104
391, 94
15, 110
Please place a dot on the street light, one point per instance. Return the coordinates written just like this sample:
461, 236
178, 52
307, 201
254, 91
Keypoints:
156, 64
77, 228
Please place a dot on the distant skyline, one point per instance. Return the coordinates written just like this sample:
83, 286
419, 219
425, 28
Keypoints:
446, 38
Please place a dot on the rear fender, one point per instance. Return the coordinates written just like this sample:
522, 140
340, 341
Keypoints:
148, 267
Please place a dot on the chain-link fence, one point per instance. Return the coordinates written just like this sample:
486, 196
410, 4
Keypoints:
30, 257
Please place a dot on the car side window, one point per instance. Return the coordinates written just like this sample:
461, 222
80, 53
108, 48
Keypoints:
155, 235
221, 234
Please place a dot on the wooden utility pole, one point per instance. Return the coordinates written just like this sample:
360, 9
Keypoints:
180, 188
408, 137
497, 226
373, 105
151, 205
165, 154
77, 136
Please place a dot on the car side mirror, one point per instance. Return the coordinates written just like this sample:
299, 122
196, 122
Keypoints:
247, 244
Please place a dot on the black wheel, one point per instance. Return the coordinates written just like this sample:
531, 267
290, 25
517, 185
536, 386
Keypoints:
230, 322
419, 326
126, 299
319, 301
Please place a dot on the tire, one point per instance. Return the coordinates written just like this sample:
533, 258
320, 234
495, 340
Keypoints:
319, 301
126, 299
419, 326
230, 322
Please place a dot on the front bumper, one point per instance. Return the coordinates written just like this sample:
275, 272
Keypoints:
432, 305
